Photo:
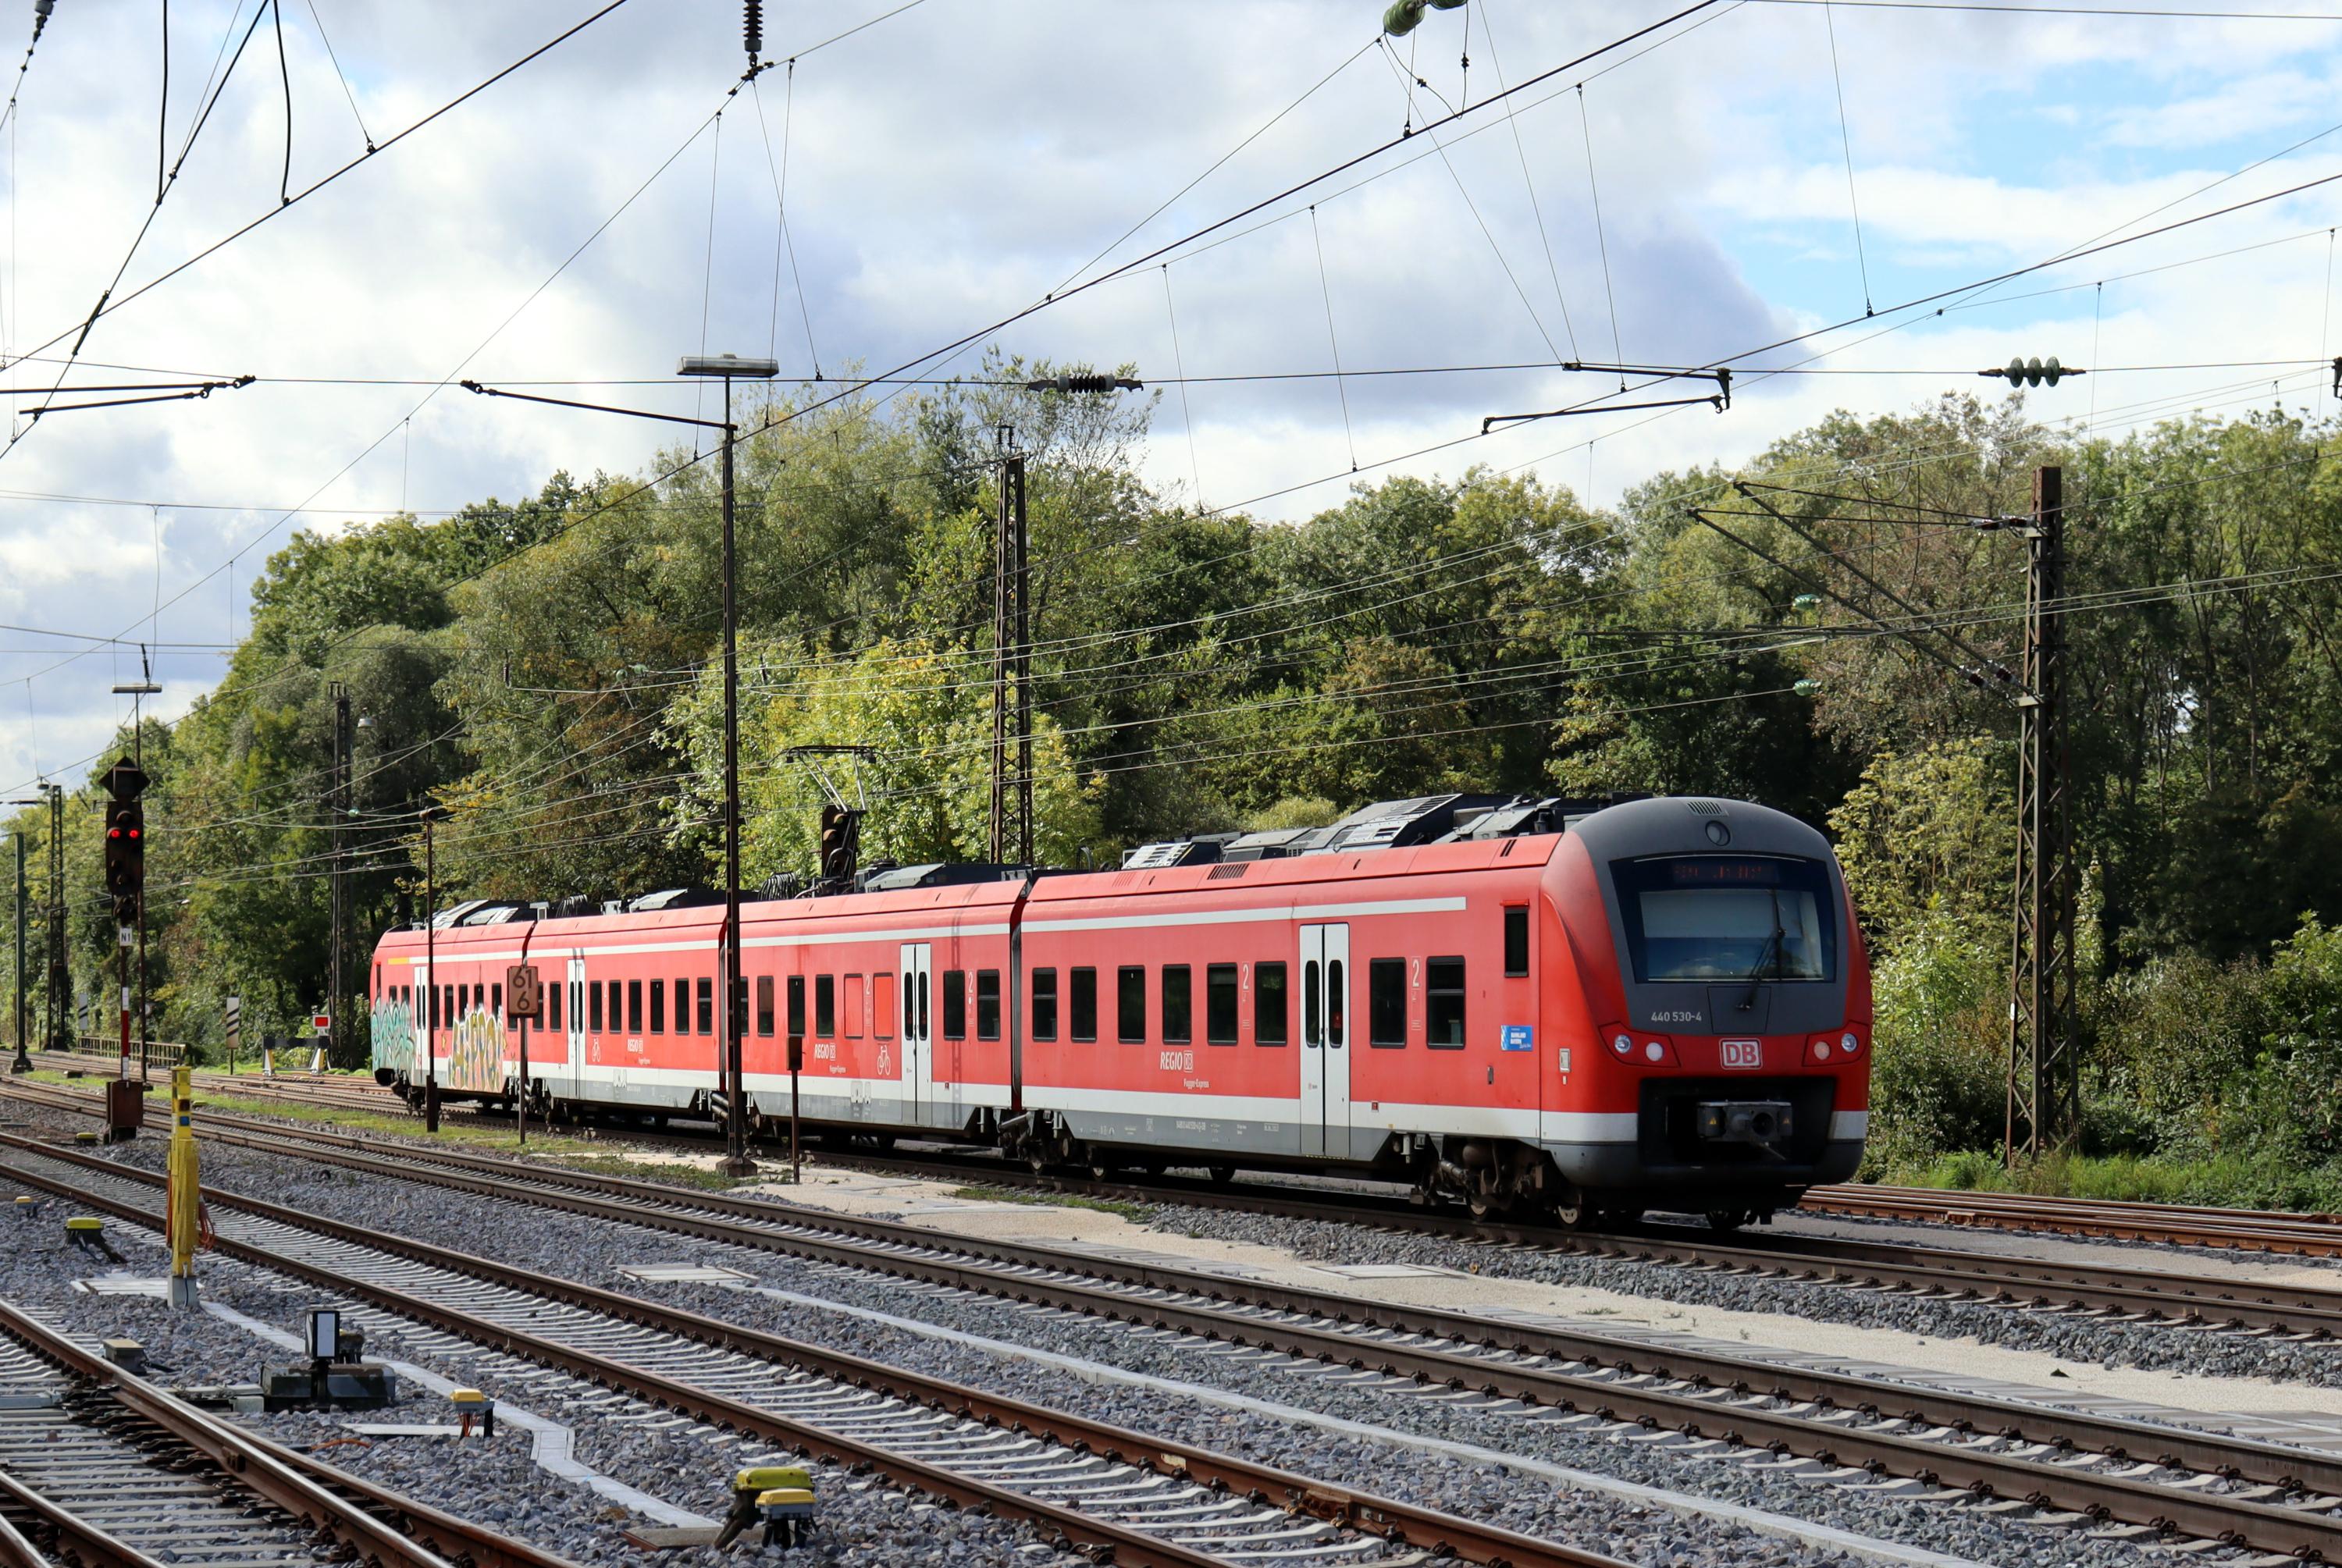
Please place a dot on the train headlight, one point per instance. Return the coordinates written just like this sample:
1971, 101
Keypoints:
1623, 1044
1849, 1042
1821, 1050
1654, 1052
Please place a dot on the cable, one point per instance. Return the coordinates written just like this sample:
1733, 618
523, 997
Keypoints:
1536, 210
1179, 362
1587, 126
341, 76
1340, 386
285, 183
1846, 136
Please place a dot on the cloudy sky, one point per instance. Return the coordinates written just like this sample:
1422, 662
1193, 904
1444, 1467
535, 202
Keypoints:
591, 217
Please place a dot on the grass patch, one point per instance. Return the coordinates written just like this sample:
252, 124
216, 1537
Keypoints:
1136, 1213
652, 1170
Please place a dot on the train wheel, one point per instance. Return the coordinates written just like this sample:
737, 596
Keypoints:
1725, 1221
1221, 1175
1574, 1215
1490, 1205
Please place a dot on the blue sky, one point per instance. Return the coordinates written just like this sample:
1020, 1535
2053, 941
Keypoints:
951, 164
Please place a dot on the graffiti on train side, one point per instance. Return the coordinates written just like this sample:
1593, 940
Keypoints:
395, 1042
477, 1058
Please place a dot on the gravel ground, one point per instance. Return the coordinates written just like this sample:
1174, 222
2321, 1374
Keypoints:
589, 1252
863, 1525
2153, 1347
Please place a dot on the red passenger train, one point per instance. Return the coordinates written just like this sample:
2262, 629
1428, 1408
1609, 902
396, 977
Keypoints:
1520, 1003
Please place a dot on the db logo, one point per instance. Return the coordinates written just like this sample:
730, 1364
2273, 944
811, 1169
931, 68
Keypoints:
1744, 1053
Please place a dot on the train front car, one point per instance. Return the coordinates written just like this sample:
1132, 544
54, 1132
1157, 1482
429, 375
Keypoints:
1720, 1013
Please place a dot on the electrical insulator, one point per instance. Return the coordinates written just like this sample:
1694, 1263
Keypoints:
1405, 15
1806, 687
1807, 602
1089, 383
2036, 371
752, 28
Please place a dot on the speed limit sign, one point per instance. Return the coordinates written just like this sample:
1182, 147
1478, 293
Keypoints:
524, 995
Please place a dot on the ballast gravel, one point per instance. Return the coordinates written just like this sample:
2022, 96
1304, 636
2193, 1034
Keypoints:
2154, 1347
861, 1524
592, 1252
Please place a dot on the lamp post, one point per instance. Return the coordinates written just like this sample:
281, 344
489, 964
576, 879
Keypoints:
728, 368
23, 1063
432, 816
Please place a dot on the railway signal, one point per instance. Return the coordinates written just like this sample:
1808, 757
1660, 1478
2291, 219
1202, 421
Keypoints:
125, 879
125, 857
841, 842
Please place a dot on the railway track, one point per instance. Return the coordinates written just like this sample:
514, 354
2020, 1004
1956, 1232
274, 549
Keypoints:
2165, 1478
101, 1468
2169, 1224
2129, 1292
1092, 1486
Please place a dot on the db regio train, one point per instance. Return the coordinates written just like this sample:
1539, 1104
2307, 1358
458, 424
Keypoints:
1528, 1006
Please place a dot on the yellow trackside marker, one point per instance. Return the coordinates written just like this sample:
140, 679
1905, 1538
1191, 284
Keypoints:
84, 1224
472, 1405
183, 1227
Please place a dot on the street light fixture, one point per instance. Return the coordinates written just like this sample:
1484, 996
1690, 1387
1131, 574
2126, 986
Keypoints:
728, 368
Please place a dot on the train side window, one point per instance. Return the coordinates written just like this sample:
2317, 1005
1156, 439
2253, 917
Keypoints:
496, 1006
1045, 1004
634, 1007
927, 981
1271, 1008
1444, 1004
1517, 941
1385, 1002
1085, 1006
617, 1008
797, 1006
1178, 1004
1313, 1032
854, 1008
707, 1007
593, 1007
825, 1005
659, 1008
955, 1003
553, 1009
738, 1014
682, 1006
882, 1001
1220, 1004
987, 1004
1337, 1002
910, 1008
764, 1005
1130, 1003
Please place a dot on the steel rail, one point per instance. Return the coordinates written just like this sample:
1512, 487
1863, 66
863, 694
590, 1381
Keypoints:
1991, 1278
1348, 1507
2264, 1463
80, 1541
655, 1205
375, 1523
2174, 1225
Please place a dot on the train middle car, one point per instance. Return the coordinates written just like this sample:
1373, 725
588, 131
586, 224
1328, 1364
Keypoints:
1664, 1004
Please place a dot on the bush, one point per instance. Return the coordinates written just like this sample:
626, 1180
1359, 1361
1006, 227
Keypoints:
1938, 1078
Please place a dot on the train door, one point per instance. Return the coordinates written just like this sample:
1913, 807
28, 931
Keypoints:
1326, 1041
918, 1067
572, 1082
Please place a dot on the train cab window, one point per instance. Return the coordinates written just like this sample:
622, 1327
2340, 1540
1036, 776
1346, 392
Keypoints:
593, 1008
882, 1000
634, 1007
1443, 1017
854, 1008
825, 1005
1727, 917
987, 1004
1178, 1004
659, 1008
1084, 1000
1045, 1004
1386, 1002
764, 1005
1220, 1004
797, 1006
1130, 1003
955, 1003
1516, 942
707, 1007
1271, 1008
1337, 1004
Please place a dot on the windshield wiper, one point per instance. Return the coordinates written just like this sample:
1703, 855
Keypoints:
1770, 951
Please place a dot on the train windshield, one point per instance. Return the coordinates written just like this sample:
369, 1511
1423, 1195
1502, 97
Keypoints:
1710, 917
